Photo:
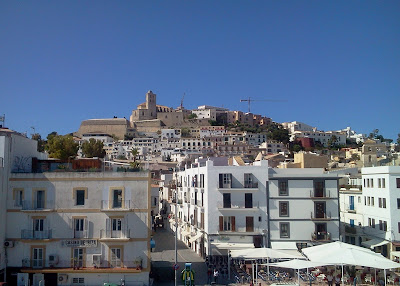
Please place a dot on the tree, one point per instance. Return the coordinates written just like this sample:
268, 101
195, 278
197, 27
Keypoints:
40, 142
61, 147
332, 142
135, 164
355, 157
93, 148
192, 116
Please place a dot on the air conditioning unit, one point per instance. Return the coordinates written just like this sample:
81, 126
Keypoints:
8, 243
62, 278
96, 260
53, 260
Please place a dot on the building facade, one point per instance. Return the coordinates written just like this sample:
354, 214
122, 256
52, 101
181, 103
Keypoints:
77, 228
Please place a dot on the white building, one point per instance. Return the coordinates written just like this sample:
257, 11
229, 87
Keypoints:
221, 207
381, 198
77, 228
16, 153
170, 134
303, 206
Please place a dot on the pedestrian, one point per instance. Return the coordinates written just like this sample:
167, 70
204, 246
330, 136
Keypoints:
216, 274
209, 273
329, 278
337, 280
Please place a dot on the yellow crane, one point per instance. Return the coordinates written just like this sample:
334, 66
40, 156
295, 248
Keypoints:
249, 100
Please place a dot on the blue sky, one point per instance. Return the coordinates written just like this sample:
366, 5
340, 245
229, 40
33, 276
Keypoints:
336, 63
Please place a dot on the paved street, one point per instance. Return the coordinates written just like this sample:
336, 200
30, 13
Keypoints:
163, 258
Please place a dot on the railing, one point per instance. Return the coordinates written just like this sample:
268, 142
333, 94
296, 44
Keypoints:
81, 264
350, 229
116, 205
107, 233
320, 194
33, 234
320, 236
37, 205
348, 187
320, 216
350, 208
237, 205
251, 185
246, 185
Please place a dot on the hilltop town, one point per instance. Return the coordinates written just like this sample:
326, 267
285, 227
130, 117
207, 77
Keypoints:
101, 205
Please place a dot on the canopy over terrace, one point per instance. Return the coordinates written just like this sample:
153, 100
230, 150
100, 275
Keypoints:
339, 253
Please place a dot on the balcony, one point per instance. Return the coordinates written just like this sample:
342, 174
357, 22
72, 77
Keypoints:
238, 205
115, 234
320, 236
320, 194
247, 186
33, 234
116, 205
321, 216
350, 208
76, 265
37, 205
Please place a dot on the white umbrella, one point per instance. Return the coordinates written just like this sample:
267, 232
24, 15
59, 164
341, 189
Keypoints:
264, 253
339, 253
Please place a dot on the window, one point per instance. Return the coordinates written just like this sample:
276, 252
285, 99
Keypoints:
227, 223
249, 224
77, 258
80, 197
283, 208
39, 199
383, 183
398, 183
398, 228
398, 203
385, 225
369, 222
248, 200
379, 183
372, 183
78, 280
284, 230
369, 201
38, 228
380, 202
368, 183
372, 201
80, 228
18, 195
225, 181
117, 198
351, 222
384, 203
373, 223
283, 188
38, 257
380, 225
116, 255
227, 200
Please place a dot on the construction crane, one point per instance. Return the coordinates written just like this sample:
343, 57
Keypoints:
249, 100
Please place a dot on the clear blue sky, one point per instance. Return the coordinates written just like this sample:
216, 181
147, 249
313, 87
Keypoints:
337, 63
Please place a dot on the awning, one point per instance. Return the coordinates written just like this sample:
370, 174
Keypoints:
374, 243
194, 238
232, 246
283, 245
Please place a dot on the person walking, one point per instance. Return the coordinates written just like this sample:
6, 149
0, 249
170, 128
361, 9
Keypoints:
216, 274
